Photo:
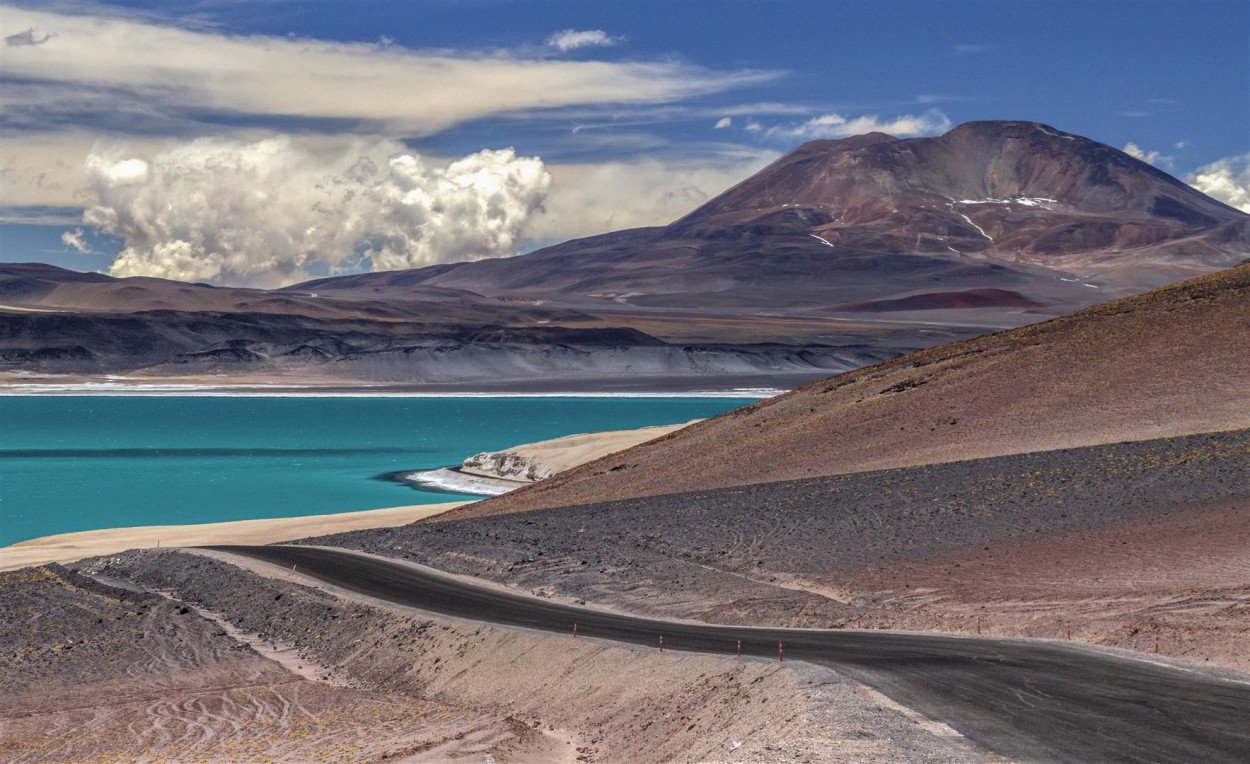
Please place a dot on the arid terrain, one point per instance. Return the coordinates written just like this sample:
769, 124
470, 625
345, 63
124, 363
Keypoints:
284, 672
99, 674
1100, 540
1083, 478
1169, 362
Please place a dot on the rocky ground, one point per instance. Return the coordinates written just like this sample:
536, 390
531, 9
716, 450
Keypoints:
92, 673
148, 678
1035, 544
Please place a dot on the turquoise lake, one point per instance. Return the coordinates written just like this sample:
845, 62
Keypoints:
72, 463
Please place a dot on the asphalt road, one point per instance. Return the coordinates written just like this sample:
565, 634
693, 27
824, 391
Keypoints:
1027, 700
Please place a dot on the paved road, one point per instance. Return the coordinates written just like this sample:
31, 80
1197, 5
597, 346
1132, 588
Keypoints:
1028, 700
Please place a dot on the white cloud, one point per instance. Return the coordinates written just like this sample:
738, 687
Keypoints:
157, 74
1149, 157
76, 240
588, 199
1227, 180
263, 213
838, 126
572, 39
723, 123
752, 126
46, 170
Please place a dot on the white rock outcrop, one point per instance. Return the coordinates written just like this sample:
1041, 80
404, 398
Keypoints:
506, 465
538, 461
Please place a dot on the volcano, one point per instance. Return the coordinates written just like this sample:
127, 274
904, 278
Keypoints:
1054, 220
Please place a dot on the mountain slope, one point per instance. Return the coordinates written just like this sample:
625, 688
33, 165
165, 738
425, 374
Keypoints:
1056, 219
1170, 362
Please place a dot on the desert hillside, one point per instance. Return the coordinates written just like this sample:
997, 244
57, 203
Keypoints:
1169, 362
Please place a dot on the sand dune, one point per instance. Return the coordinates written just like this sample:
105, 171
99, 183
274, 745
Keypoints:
68, 547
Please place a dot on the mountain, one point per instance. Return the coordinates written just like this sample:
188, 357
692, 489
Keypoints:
1170, 362
839, 254
55, 321
1009, 220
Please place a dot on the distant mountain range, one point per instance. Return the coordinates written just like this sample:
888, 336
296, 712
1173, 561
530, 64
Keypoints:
838, 254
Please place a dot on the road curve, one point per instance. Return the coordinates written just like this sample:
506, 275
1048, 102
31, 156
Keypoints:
1025, 699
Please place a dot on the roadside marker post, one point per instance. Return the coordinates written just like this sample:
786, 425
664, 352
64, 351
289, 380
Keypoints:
781, 652
739, 648
574, 631
661, 644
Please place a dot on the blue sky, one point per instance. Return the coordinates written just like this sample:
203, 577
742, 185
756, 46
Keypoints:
617, 104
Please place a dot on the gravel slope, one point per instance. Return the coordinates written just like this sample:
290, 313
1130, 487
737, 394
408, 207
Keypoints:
1165, 363
795, 552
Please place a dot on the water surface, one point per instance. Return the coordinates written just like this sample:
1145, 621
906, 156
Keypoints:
71, 463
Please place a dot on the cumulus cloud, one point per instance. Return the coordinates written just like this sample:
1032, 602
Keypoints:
76, 240
588, 199
723, 123
838, 126
197, 76
572, 39
1149, 157
1227, 180
263, 213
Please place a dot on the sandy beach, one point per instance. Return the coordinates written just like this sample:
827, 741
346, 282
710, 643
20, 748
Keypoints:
68, 547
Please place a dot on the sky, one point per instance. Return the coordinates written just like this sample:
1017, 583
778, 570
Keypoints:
261, 142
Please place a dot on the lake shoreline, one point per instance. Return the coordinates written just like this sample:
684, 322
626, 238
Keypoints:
78, 545
81, 463
748, 386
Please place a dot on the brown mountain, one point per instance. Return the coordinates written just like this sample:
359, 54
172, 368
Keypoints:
1055, 220
1173, 361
